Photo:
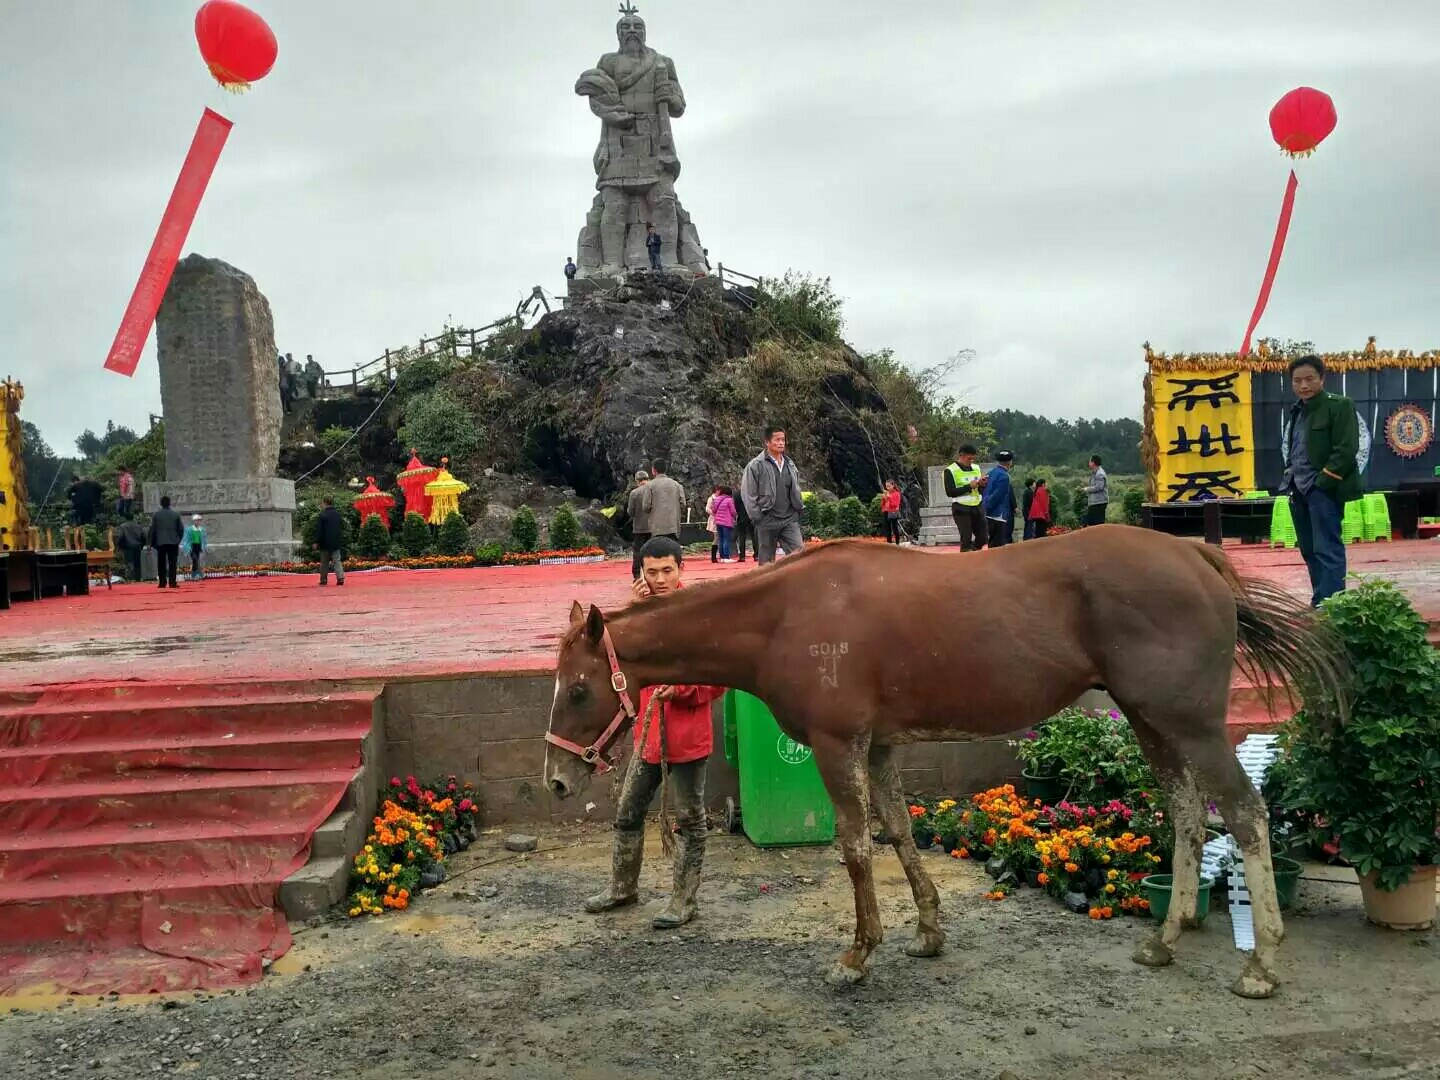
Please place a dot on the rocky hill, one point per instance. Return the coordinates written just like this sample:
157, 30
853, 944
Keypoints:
662, 368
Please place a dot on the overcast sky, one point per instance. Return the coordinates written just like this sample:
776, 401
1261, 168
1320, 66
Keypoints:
1047, 183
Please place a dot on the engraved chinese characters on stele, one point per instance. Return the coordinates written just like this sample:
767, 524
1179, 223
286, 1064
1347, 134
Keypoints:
1205, 430
829, 654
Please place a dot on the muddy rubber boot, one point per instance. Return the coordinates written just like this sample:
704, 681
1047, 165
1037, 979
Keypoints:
624, 874
682, 907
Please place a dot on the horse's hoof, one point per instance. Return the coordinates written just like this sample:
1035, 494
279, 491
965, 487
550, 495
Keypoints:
1152, 952
842, 975
926, 944
1255, 982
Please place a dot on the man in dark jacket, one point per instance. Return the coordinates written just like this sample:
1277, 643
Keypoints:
130, 542
1027, 499
999, 500
166, 532
770, 489
330, 538
639, 521
1320, 443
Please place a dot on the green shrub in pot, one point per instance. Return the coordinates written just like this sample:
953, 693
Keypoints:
1372, 784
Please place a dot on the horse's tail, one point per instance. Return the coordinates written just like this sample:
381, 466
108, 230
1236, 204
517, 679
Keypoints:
1283, 643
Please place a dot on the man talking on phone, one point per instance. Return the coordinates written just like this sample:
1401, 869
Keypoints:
688, 743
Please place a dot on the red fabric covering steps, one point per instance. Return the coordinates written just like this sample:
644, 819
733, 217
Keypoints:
143, 838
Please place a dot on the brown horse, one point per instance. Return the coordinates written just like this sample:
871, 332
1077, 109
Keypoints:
859, 647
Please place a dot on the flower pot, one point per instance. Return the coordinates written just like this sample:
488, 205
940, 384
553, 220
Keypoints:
980, 854
1410, 907
1157, 887
1048, 789
949, 843
1032, 878
923, 839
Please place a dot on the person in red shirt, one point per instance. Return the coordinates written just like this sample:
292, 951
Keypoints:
688, 742
1040, 510
890, 511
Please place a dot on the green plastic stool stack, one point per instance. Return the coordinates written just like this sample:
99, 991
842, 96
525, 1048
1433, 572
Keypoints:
1282, 525
1376, 512
1257, 495
1352, 526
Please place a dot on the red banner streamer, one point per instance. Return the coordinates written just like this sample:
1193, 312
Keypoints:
1282, 227
194, 177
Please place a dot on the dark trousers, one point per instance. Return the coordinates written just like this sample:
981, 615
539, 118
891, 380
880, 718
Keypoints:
771, 536
743, 531
970, 520
1037, 528
132, 564
1095, 515
999, 531
892, 528
687, 786
638, 543
1317, 519
195, 552
654, 258
1029, 533
168, 557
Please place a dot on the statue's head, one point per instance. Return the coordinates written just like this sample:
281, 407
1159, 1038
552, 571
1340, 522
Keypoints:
630, 31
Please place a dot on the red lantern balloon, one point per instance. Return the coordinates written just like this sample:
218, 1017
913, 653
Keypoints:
235, 42
1301, 120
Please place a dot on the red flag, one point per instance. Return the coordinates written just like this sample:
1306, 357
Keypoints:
210, 136
1282, 227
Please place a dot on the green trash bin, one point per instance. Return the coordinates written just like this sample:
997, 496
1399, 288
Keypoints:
783, 801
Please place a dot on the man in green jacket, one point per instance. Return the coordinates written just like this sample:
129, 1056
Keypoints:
1320, 442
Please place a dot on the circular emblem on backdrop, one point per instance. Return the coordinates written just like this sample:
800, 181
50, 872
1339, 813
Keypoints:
790, 751
1408, 431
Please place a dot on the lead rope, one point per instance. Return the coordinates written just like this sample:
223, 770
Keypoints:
667, 838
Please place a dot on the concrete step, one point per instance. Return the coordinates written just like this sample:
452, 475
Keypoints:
342, 835
315, 888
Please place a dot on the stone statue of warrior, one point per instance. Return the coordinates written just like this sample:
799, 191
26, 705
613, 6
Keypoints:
635, 93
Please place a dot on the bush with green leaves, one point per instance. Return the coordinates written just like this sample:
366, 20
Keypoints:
1092, 753
801, 308
1131, 502
875, 517
490, 554
374, 539
565, 532
822, 515
437, 424
414, 535
453, 537
850, 517
524, 531
1371, 784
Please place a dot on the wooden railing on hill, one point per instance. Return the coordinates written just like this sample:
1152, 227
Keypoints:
453, 342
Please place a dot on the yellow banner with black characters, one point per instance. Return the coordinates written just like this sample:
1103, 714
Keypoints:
1205, 434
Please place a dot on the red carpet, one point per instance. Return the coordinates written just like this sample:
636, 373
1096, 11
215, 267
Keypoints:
144, 835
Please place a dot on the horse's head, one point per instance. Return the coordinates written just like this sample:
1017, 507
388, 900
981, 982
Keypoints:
592, 704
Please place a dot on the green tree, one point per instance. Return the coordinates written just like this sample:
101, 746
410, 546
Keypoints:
1132, 501
436, 424
454, 537
414, 535
374, 539
565, 533
524, 530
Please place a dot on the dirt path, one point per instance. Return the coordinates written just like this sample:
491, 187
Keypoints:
497, 975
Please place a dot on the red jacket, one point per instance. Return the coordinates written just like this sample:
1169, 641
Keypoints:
688, 735
890, 502
1040, 505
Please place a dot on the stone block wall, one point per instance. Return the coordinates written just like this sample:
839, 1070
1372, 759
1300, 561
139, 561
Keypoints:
490, 730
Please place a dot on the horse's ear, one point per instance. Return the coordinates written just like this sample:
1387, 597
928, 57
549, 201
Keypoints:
577, 613
595, 625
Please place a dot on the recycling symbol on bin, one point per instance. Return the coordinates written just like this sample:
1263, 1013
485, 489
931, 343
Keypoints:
790, 751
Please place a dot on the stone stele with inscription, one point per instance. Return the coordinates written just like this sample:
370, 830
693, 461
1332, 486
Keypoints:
220, 391
635, 93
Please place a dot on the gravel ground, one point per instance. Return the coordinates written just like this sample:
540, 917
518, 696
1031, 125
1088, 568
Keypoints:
498, 974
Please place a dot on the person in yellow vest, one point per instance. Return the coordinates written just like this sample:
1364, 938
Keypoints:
964, 483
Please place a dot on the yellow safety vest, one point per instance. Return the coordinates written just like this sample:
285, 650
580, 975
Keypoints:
963, 476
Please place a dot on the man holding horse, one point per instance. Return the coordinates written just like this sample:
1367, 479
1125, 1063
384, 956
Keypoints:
679, 719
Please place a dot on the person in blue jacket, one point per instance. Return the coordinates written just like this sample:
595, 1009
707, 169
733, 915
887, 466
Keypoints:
1000, 500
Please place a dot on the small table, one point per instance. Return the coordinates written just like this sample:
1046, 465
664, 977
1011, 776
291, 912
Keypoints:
19, 581
62, 572
1247, 520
